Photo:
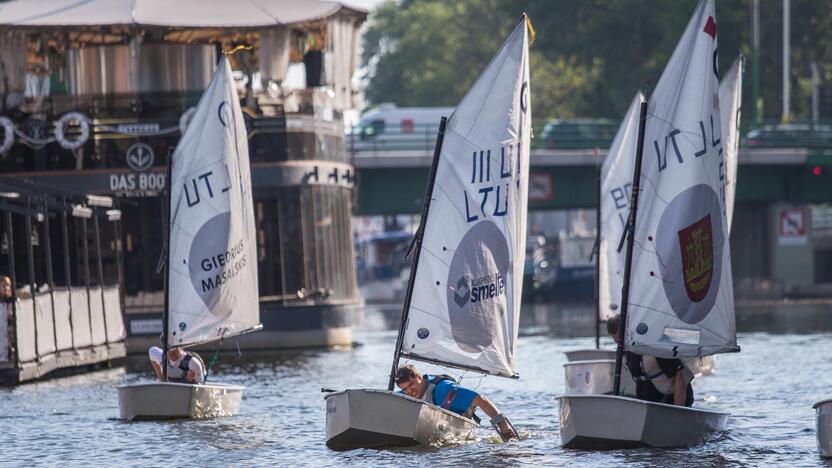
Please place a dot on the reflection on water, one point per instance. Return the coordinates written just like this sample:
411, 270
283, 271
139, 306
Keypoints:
769, 388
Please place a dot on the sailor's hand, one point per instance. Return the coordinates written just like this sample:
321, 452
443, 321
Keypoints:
502, 425
507, 432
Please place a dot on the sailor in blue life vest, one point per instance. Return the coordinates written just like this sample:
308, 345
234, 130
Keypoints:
445, 392
183, 366
657, 379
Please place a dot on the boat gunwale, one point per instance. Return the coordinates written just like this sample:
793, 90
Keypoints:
402, 395
820, 403
588, 361
181, 384
697, 409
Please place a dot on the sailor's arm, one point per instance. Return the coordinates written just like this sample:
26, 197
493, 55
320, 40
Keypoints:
492, 412
157, 369
680, 389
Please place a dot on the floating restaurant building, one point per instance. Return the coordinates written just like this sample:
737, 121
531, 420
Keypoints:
64, 311
96, 94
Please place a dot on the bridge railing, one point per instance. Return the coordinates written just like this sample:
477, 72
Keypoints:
579, 134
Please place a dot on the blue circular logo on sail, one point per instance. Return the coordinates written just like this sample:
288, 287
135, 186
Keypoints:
423, 333
477, 285
689, 245
182, 326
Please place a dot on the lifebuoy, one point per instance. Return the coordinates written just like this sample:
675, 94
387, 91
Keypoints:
8, 134
63, 122
185, 120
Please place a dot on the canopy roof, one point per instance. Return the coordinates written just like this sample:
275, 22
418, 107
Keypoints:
167, 13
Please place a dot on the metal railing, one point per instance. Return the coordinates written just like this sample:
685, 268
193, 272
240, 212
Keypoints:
582, 134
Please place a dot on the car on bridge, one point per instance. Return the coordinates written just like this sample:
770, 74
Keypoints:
578, 133
388, 128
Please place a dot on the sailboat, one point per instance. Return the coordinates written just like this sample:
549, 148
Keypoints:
211, 289
590, 370
677, 263
462, 305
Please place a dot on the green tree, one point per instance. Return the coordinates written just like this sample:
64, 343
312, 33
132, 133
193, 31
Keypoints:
590, 56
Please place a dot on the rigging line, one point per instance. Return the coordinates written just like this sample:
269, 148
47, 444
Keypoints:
430, 314
450, 198
654, 186
436, 256
675, 318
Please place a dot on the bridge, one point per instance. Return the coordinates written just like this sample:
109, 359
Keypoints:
394, 181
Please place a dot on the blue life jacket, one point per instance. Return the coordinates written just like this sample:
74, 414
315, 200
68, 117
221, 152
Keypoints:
448, 394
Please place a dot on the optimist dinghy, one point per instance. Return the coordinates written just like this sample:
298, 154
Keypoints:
462, 305
678, 255
211, 261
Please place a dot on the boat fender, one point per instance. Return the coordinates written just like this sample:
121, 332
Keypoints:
8, 134
61, 126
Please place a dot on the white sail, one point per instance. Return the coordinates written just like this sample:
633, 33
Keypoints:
616, 188
213, 265
730, 106
465, 305
681, 301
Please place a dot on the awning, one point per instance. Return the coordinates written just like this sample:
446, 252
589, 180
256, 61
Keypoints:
166, 13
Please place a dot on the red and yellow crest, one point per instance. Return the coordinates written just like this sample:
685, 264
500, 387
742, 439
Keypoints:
696, 243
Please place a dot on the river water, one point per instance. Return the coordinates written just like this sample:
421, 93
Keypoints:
768, 388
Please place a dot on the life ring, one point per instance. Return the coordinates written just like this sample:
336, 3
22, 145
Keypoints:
185, 120
8, 134
63, 122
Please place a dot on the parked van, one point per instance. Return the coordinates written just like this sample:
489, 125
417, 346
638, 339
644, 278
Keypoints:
387, 128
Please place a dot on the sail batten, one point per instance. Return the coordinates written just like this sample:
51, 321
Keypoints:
681, 301
212, 267
465, 293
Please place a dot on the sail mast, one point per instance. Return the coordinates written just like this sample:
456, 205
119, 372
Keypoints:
165, 311
598, 252
418, 248
628, 261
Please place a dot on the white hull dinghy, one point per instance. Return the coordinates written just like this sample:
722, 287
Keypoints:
171, 400
616, 422
590, 354
210, 257
677, 298
462, 304
595, 377
824, 419
367, 418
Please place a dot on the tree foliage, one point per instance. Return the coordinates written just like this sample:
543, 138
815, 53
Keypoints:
590, 56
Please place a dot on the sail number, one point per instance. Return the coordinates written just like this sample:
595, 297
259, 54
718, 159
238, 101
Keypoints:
489, 195
199, 188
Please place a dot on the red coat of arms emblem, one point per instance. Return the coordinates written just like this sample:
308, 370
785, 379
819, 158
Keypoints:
696, 243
